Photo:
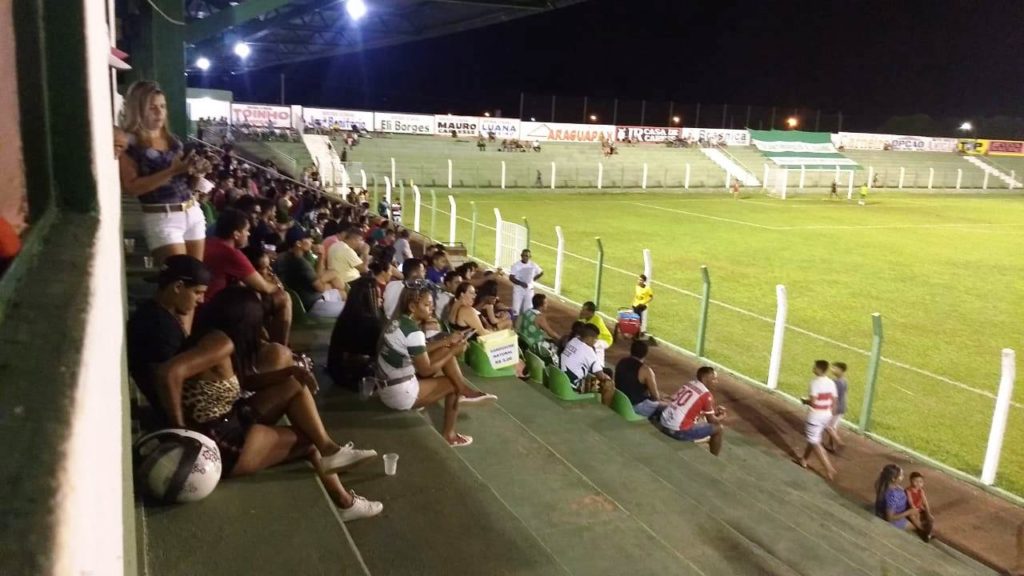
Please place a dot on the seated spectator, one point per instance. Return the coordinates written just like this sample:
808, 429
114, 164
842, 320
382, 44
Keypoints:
635, 379
403, 250
438, 267
588, 314
495, 317
535, 330
356, 334
228, 266
462, 316
201, 389
380, 271
259, 257
579, 362
892, 505
349, 256
469, 271
158, 327
446, 295
412, 270
411, 366
318, 289
680, 419
10, 244
919, 500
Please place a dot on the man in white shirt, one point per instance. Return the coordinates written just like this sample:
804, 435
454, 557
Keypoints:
412, 269
523, 274
403, 250
822, 402
350, 255
580, 364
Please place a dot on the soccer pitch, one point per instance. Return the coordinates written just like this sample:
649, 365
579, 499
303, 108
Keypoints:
944, 271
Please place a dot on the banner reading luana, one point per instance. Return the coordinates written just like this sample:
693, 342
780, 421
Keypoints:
261, 115
476, 126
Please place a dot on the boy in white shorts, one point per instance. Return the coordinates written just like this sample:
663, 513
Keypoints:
822, 403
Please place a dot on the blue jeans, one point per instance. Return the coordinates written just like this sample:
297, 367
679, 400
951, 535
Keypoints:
646, 408
696, 432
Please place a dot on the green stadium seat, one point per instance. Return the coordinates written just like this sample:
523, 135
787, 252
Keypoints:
536, 367
560, 386
299, 315
623, 407
477, 359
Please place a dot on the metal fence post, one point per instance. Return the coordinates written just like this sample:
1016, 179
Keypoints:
401, 193
705, 302
873, 363
526, 224
999, 416
497, 238
376, 194
559, 257
433, 214
387, 191
452, 221
472, 231
600, 273
418, 199
779, 335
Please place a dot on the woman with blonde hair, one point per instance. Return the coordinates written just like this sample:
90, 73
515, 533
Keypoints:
155, 169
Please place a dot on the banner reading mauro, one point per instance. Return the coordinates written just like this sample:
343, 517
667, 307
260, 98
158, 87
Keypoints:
556, 132
345, 119
403, 123
261, 115
476, 126
647, 134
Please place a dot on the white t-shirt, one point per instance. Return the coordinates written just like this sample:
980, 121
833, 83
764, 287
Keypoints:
823, 396
392, 292
402, 251
579, 360
444, 298
525, 273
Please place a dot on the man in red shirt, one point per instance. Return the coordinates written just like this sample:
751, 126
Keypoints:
228, 266
681, 419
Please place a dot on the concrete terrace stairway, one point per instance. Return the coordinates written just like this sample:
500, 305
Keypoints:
332, 171
731, 166
1010, 181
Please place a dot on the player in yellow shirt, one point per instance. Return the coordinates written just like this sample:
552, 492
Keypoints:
588, 314
642, 296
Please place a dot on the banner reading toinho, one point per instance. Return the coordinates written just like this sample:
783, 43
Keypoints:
261, 115
476, 126
344, 118
556, 132
403, 123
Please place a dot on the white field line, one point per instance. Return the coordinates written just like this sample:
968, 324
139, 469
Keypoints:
771, 321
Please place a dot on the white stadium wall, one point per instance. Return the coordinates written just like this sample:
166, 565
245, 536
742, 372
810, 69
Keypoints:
859, 141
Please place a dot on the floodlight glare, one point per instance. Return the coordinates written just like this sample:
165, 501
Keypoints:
593, 118
488, 114
792, 122
356, 8
966, 127
242, 49
675, 119
203, 63
532, 119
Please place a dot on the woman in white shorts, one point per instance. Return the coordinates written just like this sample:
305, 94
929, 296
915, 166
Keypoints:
409, 366
155, 170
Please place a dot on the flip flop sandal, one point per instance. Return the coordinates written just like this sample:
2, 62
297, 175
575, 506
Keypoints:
461, 440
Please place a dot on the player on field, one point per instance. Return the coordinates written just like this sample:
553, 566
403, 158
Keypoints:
822, 402
863, 194
680, 419
834, 193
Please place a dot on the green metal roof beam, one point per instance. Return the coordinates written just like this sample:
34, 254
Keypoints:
236, 15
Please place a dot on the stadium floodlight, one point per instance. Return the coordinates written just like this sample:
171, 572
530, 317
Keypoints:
532, 119
203, 63
488, 114
593, 117
792, 122
356, 9
966, 127
242, 49
675, 119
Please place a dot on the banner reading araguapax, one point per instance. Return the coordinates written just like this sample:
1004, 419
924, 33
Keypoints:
503, 128
261, 115
647, 133
403, 123
556, 132
345, 119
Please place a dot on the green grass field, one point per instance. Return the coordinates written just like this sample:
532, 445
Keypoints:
944, 271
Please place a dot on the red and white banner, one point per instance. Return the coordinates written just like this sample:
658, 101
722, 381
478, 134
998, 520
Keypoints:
718, 136
476, 126
403, 123
857, 141
647, 134
556, 132
261, 115
344, 119
1005, 148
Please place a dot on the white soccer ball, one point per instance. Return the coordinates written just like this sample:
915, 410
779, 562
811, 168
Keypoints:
177, 465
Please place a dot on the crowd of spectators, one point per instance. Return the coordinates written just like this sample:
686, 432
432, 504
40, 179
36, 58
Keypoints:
219, 131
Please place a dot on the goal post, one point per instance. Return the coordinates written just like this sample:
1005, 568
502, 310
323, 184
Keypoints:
510, 239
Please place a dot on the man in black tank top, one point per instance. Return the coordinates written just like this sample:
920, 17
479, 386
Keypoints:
635, 379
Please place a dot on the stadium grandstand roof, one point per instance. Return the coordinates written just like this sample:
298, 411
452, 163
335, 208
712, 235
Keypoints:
286, 31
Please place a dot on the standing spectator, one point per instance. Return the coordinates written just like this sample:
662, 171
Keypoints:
821, 400
588, 314
155, 170
635, 379
642, 296
228, 266
349, 256
581, 365
403, 250
318, 289
691, 402
523, 274
891, 502
839, 376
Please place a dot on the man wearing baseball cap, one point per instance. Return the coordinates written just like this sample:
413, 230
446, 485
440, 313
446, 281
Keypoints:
320, 290
158, 328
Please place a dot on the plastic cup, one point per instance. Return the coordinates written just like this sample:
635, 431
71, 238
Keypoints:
391, 464
147, 261
129, 245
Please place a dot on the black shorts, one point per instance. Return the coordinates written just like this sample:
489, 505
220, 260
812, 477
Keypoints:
228, 432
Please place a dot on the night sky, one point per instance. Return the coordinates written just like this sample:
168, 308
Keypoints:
868, 59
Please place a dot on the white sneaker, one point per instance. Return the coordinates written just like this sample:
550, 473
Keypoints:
347, 457
481, 398
361, 508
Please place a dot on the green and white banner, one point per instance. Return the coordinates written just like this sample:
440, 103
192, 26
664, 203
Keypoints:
796, 149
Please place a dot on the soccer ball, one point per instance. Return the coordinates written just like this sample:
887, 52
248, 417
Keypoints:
177, 465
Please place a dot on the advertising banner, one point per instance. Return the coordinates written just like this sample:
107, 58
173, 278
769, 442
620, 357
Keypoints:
718, 135
1005, 148
557, 132
261, 115
647, 134
403, 123
856, 141
503, 128
205, 107
345, 119
973, 146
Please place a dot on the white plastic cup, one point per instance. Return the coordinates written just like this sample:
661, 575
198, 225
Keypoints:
391, 464
147, 261
129, 245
